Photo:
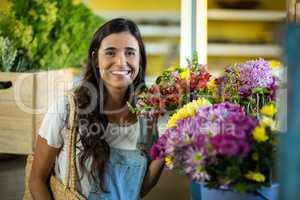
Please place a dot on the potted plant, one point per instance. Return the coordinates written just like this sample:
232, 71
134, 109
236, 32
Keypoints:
227, 147
220, 146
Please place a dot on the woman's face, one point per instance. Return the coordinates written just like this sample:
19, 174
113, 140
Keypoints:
118, 60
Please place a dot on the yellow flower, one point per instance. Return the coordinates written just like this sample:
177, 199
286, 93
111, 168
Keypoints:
172, 120
255, 176
187, 110
268, 121
168, 161
259, 134
184, 74
268, 110
275, 64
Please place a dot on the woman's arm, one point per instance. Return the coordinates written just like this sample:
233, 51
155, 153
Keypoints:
152, 176
44, 159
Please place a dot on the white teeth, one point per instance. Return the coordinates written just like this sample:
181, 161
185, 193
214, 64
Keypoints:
120, 72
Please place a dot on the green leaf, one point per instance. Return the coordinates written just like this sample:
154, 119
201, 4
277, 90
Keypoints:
158, 80
130, 107
171, 107
233, 171
236, 99
260, 91
195, 59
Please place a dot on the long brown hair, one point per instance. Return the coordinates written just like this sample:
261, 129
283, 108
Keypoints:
91, 91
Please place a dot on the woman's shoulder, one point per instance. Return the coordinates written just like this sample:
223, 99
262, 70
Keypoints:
54, 122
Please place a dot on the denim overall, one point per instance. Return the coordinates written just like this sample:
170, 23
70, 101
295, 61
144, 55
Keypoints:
125, 171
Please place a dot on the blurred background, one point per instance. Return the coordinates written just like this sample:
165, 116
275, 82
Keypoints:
237, 30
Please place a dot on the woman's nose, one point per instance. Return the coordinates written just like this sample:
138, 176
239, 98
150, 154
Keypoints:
121, 59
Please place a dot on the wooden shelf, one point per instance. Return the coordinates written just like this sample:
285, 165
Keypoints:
216, 49
212, 14
159, 31
245, 15
159, 48
136, 15
171, 28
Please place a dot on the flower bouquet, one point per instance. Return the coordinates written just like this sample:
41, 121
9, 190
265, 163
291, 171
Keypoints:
175, 87
220, 145
250, 84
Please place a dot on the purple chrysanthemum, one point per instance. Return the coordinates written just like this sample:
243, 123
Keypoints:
230, 145
224, 118
195, 161
157, 150
193, 143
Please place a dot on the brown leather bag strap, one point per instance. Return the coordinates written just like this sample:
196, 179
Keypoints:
70, 171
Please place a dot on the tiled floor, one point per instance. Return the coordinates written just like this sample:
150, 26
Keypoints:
170, 186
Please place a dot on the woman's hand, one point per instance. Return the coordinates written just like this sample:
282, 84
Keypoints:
44, 159
152, 176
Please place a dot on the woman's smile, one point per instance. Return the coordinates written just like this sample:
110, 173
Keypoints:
121, 72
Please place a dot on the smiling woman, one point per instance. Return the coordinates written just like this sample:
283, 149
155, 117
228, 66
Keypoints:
110, 164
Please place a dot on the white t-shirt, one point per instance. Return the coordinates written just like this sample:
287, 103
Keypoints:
54, 130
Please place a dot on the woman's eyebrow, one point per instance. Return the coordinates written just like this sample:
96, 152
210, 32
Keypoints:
110, 48
130, 48
114, 49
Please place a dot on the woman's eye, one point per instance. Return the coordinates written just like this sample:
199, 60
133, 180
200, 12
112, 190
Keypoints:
109, 53
130, 53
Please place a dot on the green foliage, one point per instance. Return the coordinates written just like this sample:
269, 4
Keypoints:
51, 34
74, 32
8, 54
19, 34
